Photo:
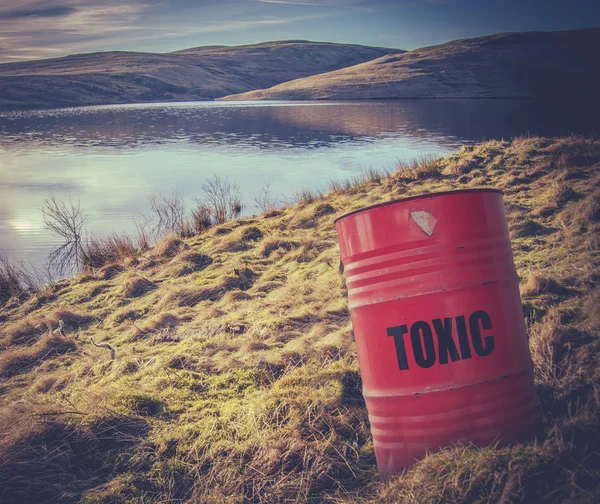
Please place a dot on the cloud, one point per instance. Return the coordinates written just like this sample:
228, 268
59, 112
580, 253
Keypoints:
27, 32
240, 25
45, 28
34, 29
314, 3
47, 12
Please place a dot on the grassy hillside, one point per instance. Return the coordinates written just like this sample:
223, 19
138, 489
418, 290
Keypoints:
236, 380
201, 73
506, 65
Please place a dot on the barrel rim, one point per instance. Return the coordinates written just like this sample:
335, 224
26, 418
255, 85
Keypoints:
420, 196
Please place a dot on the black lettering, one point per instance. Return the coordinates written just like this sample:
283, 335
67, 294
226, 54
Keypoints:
486, 324
398, 333
420, 333
463, 337
446, 345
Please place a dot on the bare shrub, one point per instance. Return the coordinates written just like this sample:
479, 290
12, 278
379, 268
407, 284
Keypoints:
169, 211
171, 216
264, 200
201, 218
67, 221
17, 280
144, 235
222, 198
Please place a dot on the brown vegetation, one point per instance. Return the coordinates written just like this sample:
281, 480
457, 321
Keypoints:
101, 252
504, 65
201, 73
136, 286
16, 281
21, 359
168, 246
238, 382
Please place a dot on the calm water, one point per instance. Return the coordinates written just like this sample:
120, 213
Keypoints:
111, 158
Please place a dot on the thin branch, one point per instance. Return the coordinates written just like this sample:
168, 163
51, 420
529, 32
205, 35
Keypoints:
113, 352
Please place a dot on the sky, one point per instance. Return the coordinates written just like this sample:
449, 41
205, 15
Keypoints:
35, 29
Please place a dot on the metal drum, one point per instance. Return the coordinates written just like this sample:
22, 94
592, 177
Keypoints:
439, 327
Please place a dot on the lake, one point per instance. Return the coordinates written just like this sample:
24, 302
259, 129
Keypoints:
112, 158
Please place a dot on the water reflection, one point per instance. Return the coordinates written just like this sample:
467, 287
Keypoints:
284, 125
112, 157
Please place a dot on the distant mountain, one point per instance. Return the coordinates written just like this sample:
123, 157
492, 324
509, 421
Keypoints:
524, 65
201, 73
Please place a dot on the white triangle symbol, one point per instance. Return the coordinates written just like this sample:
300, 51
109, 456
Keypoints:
424, 220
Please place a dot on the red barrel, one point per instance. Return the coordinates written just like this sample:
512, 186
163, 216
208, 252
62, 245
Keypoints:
440, 333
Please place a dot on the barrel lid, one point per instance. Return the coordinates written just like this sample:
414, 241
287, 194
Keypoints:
420, 196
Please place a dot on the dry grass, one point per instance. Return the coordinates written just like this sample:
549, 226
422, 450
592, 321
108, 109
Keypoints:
187, 263
101, 252
240, 382
157, 323
270, 245
69, 451
17, 281
168, 246
136, 286
19, 360
252, 233
539, 284
111, 271
30, 328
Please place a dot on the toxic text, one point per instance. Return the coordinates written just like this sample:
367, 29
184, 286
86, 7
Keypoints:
469, 336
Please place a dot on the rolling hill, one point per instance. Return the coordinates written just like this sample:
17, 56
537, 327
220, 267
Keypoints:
202, 73
508, 65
